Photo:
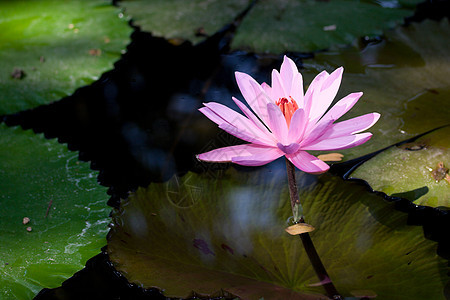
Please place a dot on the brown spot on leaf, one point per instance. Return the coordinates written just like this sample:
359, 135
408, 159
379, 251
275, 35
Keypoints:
227, 248
18, 73
200, 32
95, 52
440, 172
202, 246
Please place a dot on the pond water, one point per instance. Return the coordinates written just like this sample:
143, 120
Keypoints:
197, 230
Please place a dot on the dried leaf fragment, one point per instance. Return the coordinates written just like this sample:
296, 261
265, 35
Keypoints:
331, 157
299, 228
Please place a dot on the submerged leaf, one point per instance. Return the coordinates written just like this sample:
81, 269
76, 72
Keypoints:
232, 237
53, 213
409, 171
46, 48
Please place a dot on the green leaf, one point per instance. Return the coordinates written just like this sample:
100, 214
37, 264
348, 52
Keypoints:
306, 26
411, 170
270, 26
409, 90
56, 47
203, 234
180, 20
37, 175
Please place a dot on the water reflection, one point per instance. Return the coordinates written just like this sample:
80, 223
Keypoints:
248, 212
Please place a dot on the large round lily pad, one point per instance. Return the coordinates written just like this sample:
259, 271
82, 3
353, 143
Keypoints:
409, 90
270, 26
417, 171
44, 182
203, 234
49, 48
180, 20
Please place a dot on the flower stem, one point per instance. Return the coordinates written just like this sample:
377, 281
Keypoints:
297, 209
313, 256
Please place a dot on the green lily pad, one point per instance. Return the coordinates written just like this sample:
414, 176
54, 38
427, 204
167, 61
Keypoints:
411, 170
42, 181
179, 20
411, 96
49, 48
270, 26
206, 234
306, 26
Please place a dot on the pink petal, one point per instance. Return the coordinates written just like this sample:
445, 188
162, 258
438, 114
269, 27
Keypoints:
341, 107
338, 143
226, 154
278, 90
277, 123
314, 89
254, 94
245, 135
313, 131
307, 162
316, 133
241, 123
252, 117
297, 126
287, 71
267, 89
258, 157
351, 126
288, 149
292, 80
297, 90
211, 115
325, 97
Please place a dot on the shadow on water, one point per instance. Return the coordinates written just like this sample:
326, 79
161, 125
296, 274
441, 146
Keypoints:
139, 124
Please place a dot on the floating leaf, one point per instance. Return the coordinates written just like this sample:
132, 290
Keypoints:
53, 213
306, 26
412, 97
407, 170
231, 236
270, 26
180, 20
49, 48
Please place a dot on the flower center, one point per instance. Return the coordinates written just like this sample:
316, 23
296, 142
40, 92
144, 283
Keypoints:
288, 107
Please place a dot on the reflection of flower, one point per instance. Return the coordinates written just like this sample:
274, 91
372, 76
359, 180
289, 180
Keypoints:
286, 121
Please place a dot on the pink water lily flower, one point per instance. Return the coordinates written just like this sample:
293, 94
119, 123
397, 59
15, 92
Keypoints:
286, 122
